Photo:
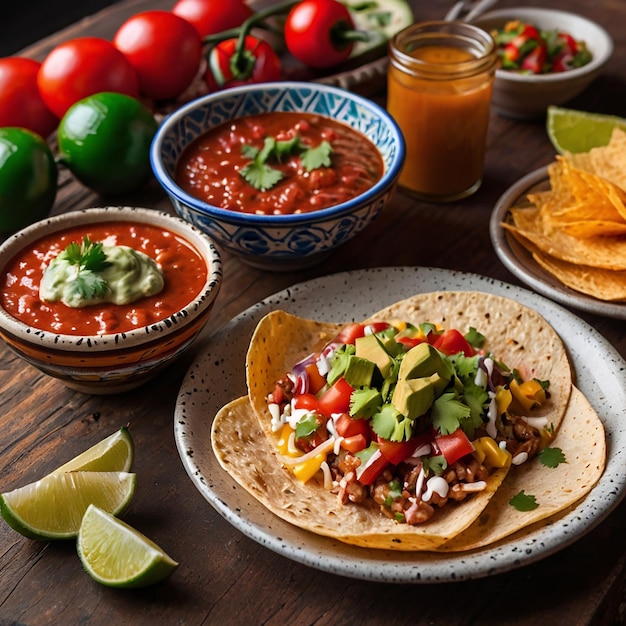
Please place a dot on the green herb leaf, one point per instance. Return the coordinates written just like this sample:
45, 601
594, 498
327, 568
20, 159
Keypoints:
89, 259
317, 157
474, 338
262, 176
434, 465
447, 413
307, 425
552, 457
523, 502
390, 424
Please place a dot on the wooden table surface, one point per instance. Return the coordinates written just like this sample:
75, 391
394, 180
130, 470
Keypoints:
224, 577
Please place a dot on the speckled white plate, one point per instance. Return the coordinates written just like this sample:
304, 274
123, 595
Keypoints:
218, 376
520, 262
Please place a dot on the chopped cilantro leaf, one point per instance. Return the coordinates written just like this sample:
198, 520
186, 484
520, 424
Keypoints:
317, 157
307, 425
390, 424
89, 258
434, 465
263, 176
552, 457
339, 363
474, 338
523, 502
447, 413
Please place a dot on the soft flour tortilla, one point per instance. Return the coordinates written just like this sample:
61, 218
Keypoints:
582, 440
244, 442
251, 458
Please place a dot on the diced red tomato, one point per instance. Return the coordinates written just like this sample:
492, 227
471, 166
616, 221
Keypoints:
454, 446
410, 342
349, 333
570, 43
452, 342
347, 426
377, 327
396, 451
316, 380
306, 401
336, 399
535, 60
372, 469
353, 444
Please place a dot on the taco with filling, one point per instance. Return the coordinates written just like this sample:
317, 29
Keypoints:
395, 432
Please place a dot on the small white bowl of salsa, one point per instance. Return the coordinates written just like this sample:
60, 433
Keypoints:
523, 94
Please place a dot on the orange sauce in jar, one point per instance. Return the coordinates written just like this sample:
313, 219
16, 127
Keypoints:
439, 92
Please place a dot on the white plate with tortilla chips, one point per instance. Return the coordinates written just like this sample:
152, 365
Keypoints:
521, 263
217, 376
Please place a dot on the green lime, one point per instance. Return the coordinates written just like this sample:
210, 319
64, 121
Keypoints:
105, 140
28, 178
53, 507
113, 454
115, 554
578, 131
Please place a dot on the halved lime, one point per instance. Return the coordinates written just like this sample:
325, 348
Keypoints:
53, 507
113, 454
117, 555
578, 131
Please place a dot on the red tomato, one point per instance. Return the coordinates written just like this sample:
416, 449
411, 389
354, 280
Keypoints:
454, 446
164, 49
535, 60
20, 102
81, 67
347, 426
452, 342
313, 32
353, 444
372, 469
212, 16
377, 327
306, 401
396, 451
410, 342
350, 333
258, 63
336, 399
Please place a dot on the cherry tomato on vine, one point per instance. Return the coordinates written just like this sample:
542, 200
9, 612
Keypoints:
20, 102
28, 178
257, 63
164, 49
104, 140
212, 16
80, 67
317, 32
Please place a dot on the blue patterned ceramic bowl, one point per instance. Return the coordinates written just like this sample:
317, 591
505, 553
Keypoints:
279, 242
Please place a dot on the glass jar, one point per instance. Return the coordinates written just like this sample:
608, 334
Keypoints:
439, 92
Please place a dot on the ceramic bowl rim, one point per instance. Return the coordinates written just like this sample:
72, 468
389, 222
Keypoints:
118, 341
542, 79
234, 217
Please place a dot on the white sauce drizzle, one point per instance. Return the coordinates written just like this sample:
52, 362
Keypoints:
520, 458
437, 485
328, 479
536, 422
479, 485
492, 413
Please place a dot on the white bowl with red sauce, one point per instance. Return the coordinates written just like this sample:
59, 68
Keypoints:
281, 240
108, 348
527, 96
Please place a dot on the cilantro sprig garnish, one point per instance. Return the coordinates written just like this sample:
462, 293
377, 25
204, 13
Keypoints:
89, 258
262, 176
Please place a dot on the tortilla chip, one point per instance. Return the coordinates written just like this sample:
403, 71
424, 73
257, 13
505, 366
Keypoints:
251, 459
582, 441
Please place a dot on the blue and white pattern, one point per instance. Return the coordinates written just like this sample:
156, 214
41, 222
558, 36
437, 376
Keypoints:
279, 240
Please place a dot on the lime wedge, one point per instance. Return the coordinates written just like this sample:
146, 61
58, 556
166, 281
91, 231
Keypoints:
53, 507
117, 555
112, 454
578, 131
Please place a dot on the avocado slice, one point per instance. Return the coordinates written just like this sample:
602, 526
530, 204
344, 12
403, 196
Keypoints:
424, 360
372, 348
359, 372
413, 397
